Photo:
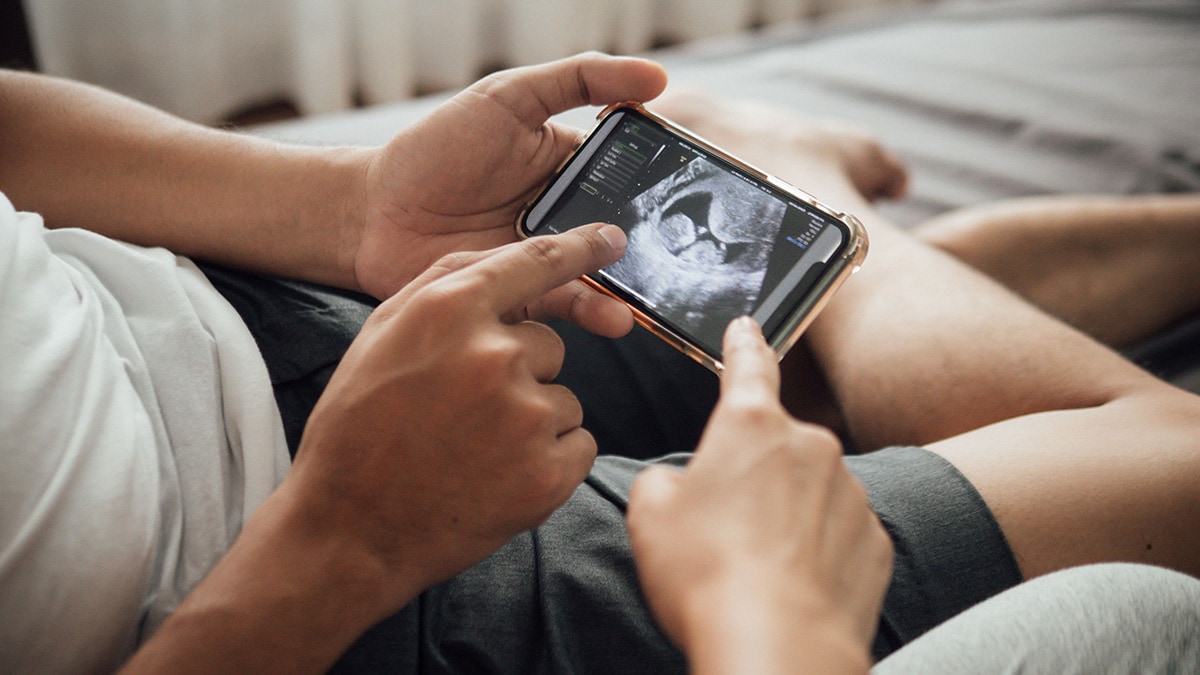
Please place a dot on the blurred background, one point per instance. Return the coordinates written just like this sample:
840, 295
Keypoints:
216, 61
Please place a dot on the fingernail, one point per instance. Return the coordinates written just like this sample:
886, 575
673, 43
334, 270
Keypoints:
743, 323
614, 235
743, 333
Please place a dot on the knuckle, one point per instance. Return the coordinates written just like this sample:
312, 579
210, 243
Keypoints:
565, 400
887, 548
388, 310
432, 302
818, 440
535, 416
882, 539
453, 262
440, 302
585, 61
546, 252
467, 288
598, 247
553, 484
754, 411
493, 86
823, 442
496, 355
810, 449
534, 419
546, 485
553, 344
486, 275
879, 541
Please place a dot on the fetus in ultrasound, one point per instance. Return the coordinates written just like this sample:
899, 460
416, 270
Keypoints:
698, 246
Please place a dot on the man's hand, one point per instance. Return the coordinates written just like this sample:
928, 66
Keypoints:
763, 556
455, 180
439, 437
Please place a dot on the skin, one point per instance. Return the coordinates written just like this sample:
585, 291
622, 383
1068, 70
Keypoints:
369, 516
1080, 456
1117, 268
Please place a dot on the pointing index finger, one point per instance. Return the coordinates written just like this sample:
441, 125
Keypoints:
528, 270
751, 367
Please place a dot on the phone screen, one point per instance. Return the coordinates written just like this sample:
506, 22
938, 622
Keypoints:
708, 241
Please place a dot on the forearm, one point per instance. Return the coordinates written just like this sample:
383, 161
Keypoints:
761, 632
84, 157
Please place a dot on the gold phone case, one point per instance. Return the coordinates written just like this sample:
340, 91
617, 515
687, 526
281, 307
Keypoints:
802, 315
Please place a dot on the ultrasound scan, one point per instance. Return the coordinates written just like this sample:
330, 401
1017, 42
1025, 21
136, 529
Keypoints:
699, 241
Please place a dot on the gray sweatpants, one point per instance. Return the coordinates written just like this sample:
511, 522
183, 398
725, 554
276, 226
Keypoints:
1114, 618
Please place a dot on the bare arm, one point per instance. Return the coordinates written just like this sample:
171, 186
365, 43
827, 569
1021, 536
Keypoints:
85, 157
365, 219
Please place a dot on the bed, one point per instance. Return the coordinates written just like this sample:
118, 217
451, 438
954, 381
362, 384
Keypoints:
985, 100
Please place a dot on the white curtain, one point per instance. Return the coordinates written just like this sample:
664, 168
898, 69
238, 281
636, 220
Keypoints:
205, 59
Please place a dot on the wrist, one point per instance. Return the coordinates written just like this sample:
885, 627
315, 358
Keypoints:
327, 212
286, 597
308, 535
768, 628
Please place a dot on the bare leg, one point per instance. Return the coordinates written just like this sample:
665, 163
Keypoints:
1117, 268
1081, 456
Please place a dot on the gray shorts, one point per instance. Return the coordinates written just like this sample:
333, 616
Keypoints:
565, 597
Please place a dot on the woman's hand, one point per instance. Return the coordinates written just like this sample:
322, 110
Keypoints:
455, 180
763, 556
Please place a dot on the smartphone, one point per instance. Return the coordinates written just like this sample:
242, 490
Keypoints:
711, 238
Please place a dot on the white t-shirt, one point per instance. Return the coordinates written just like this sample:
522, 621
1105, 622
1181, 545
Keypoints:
137, 433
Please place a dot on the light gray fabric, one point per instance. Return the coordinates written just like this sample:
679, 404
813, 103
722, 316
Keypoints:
1115, 618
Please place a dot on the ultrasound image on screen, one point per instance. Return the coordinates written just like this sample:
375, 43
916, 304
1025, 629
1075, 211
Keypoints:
706, 244
699, 244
